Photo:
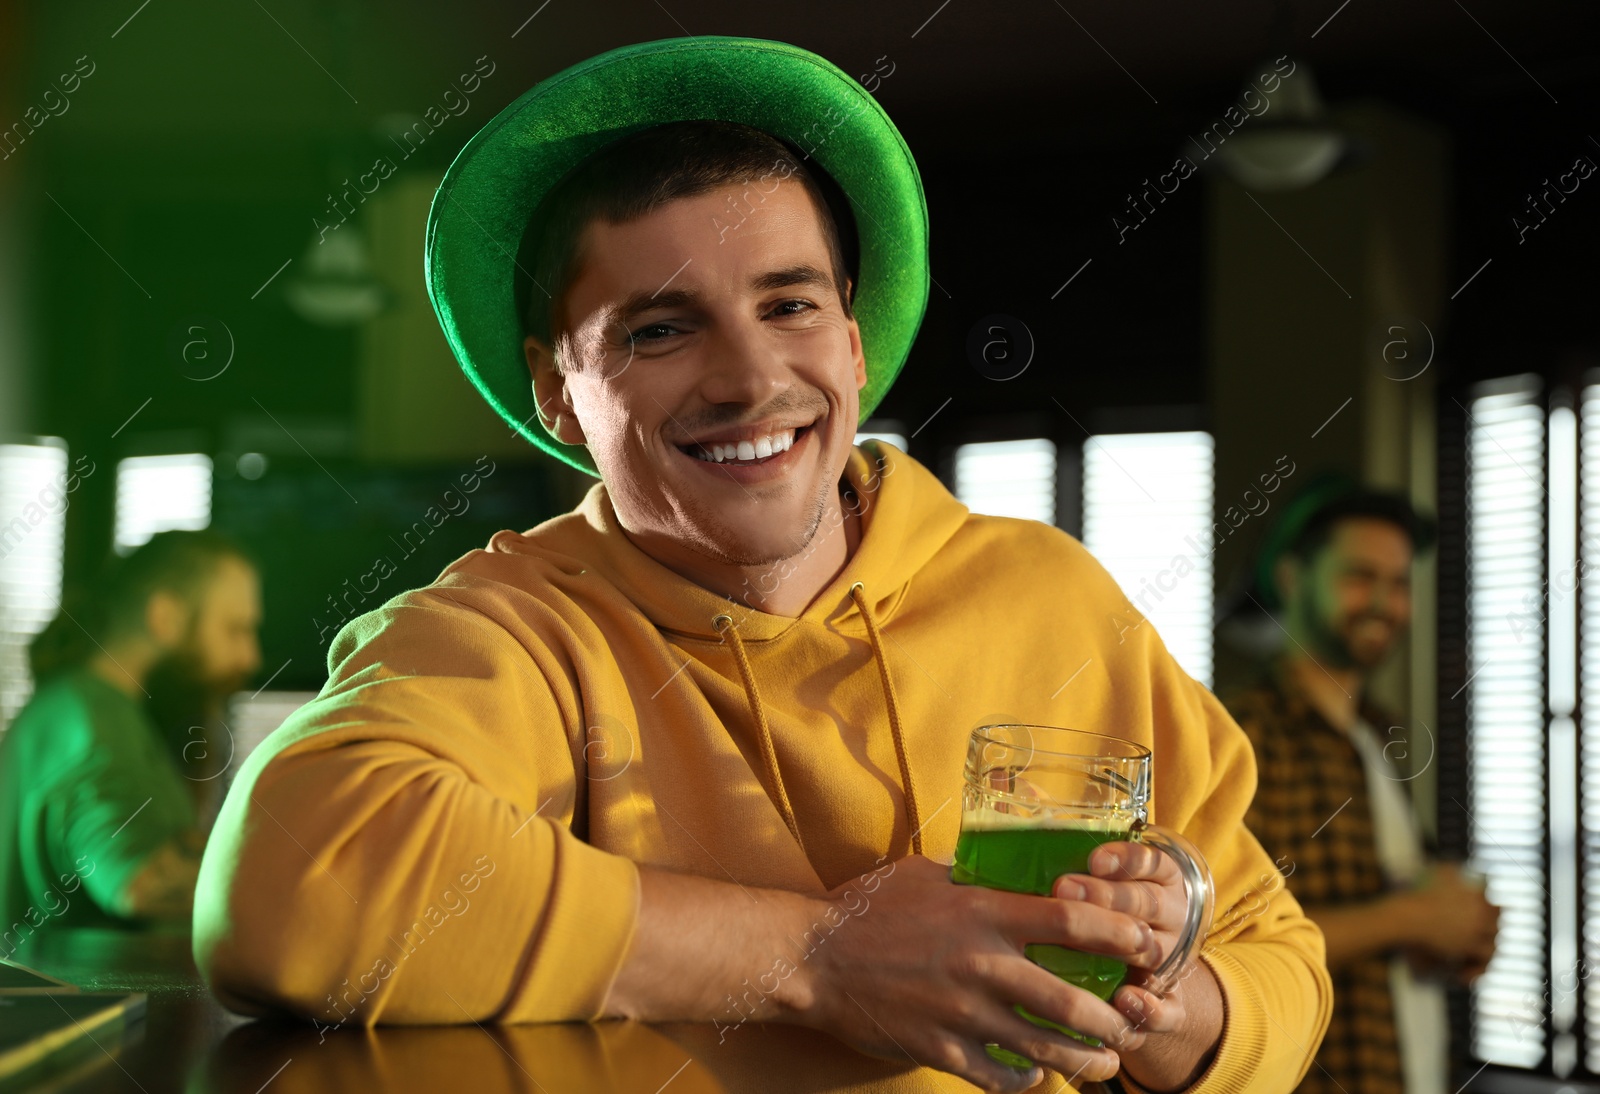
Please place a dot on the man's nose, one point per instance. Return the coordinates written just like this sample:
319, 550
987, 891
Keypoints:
745, 365
1388, 599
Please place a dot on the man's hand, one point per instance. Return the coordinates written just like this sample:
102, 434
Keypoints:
1443, 924
1452, 921
1175, 1034
902, 963
933, 970
163, 887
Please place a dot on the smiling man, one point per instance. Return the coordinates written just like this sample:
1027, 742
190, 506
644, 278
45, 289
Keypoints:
723, 402
1333, 800
696, 748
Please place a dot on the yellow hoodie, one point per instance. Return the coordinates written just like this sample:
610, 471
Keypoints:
450, 830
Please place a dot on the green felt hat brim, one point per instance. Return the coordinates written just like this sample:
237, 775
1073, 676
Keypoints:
481, 210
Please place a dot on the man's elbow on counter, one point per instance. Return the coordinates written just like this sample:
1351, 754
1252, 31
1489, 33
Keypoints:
254, 952
248, 975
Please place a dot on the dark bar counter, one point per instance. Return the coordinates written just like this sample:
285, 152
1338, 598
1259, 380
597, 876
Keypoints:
188, 1042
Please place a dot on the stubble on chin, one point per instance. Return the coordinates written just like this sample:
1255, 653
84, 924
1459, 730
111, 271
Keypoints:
728, 548
1368, 658
1349, 651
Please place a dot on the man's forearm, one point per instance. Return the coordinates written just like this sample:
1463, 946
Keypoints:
708, 950
1359, 930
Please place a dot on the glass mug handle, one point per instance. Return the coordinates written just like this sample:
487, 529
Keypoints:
1198, 887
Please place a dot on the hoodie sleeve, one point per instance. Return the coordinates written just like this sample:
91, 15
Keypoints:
1266, 955
401, 850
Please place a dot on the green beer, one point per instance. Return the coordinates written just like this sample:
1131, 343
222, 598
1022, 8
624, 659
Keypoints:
1026, 855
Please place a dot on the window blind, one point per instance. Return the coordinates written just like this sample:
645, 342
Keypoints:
1147, 502
33, 521
1577, 590
158, 493
1506, 710
1008, 478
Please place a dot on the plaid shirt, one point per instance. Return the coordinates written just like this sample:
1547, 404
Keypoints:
1312, 814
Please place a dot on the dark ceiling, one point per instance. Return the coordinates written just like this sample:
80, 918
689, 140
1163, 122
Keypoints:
211, 133
1085, 70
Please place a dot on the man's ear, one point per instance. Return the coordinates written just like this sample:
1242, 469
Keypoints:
166, 617
554, 404
855, 349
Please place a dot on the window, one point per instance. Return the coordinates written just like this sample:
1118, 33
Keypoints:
1147, 500
1575, 591
33, 507
1008, 478
1512, 807
156, 493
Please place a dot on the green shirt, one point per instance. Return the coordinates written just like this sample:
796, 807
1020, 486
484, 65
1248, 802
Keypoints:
88, 789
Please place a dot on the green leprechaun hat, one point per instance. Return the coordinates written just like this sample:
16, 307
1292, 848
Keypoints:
483, 206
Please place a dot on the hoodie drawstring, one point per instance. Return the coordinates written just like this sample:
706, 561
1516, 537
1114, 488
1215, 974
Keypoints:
724, 625
913, 815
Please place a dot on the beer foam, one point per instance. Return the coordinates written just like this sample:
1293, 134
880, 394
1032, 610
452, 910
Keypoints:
987, 820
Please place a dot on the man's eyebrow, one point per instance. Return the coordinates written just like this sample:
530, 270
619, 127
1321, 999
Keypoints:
800, 274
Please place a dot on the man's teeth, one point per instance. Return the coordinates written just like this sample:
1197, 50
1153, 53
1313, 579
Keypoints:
759, 449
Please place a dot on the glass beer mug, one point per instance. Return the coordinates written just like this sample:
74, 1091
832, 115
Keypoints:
1036, 800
